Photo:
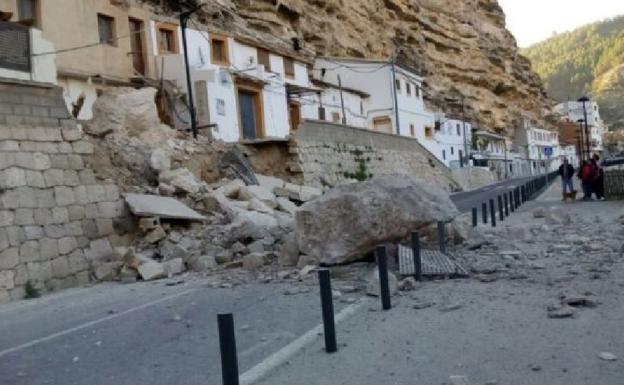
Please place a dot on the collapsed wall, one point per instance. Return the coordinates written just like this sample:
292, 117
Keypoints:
326, 154
56, 217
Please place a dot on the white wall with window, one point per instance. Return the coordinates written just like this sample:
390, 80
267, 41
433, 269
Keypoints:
328, 98
245, 85
451, 141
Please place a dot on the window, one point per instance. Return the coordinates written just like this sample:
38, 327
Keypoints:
361, 108
264, 58
452, 151
412, 130
398, 85
443, 154
27, 12
417, 91
289, 67
336, 117
408, 89
106, 28
219, 50
428, 132
167, 39
458, 130
382, 124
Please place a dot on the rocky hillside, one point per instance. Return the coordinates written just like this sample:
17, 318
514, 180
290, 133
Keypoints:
461, 46
589, 60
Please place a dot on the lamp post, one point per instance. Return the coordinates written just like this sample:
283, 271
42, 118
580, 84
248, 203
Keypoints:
185, 16
580, 140
584, 100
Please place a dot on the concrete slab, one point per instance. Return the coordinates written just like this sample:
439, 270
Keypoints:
143, 205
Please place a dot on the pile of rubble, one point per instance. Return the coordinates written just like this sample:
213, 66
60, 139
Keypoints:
554, 246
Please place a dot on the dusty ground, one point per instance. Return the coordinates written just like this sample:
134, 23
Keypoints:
495, 327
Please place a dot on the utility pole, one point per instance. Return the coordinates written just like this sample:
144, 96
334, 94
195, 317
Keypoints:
344, 115
584, 100
466, 156
184, 18
581, 143
396, 95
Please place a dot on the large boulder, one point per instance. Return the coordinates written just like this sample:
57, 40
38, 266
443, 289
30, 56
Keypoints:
349, 221
124, 110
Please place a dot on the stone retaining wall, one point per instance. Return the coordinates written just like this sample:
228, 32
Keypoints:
329, 154
56, 218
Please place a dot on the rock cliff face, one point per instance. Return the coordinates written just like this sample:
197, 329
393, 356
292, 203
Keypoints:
461, 47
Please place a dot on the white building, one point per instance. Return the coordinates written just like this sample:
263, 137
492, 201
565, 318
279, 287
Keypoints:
327, 104
541, 148
241, 90
388, 89
573, 111
451, 142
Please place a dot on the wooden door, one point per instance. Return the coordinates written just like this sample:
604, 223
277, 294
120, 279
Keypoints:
136, 45
247, 114
294, 109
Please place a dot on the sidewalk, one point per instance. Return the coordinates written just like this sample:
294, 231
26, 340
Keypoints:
494, 329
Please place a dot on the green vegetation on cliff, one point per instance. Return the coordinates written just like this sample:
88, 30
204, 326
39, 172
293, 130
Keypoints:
588, 60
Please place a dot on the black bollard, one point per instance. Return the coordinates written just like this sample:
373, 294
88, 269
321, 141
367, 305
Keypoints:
506, 200
442, 237
501, 213
416, 254
327, 307
517, 197
523, 192
484, 212
492, 213
475, 217
227, 343
511, 202
384, 289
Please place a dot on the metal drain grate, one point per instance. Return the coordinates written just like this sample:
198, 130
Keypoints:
434, 263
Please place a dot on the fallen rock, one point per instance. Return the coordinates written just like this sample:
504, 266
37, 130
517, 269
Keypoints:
373, 289
557, 216
349, 221
149, 223
174, 266
203, 263
254, 261
539, 212
286, 205
606, 356
151, 270
249, 193
156, 235
408, 284
183, 180
561, 311
289, 252
159, 160
251, 225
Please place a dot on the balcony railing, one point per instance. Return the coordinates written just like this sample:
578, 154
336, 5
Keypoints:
14, 46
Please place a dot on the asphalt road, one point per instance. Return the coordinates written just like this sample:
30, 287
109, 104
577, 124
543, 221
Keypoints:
145, 333
465, 201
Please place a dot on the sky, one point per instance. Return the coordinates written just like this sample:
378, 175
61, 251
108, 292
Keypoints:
532, 21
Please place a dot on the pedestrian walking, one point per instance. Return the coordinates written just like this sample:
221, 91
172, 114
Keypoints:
598, 184
586, 175
566, 171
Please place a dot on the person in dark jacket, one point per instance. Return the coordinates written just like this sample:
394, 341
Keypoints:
598, 184
566, 171
586, 174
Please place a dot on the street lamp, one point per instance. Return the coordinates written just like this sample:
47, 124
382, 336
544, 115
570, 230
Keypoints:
580, 139
584, 100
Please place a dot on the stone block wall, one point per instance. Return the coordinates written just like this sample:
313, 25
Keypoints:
328, 154
23, 102
56, 218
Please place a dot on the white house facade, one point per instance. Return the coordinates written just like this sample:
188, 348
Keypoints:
451, 142
389, 87
241, 91
573, 111
330, 100
541, 147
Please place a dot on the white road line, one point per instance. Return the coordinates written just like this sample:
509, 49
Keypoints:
280, 357
91, 323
